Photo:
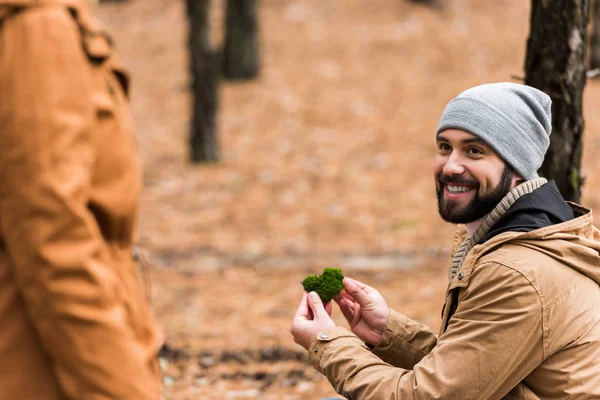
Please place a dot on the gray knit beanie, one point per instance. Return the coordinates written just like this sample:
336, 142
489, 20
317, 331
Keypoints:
514, 120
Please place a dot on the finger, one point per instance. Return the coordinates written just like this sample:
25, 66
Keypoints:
357, 290
338, 298
303, 309
346, 295
329, 308
357, 317
347, 309
316, 305
361, 285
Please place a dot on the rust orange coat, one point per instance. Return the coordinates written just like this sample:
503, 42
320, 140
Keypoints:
74, 321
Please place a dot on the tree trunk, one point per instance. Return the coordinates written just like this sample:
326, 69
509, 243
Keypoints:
595, 45
241, 53
205, 82
556, 64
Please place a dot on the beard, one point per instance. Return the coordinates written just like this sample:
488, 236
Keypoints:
481, 205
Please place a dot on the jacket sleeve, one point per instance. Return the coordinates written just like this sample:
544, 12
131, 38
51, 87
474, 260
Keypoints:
61, 263
405, 342
493, 341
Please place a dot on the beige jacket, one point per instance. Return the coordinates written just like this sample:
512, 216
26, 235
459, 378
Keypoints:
74, 319
523, 322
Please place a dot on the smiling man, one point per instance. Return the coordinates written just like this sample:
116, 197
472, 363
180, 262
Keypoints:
461, 199
521, 317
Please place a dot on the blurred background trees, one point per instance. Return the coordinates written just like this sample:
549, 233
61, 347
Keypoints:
595, 40
204, 68
240, 51
238, 60
556, 64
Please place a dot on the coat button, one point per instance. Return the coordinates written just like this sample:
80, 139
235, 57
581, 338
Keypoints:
316, 350
460, 276
324, 336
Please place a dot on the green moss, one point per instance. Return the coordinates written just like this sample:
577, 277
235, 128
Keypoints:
327, 285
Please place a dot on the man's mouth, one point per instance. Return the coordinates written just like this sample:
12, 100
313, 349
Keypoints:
457, 189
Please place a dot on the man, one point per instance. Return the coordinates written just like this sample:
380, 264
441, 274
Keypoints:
75, 323
521, 317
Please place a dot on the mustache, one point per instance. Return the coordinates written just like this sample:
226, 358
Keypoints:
457, 179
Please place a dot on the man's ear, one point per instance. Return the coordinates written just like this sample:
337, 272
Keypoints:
516, 180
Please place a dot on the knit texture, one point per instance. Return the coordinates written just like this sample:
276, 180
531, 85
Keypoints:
490, 220
514, 120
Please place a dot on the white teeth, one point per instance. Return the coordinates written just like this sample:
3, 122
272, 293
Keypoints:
458, 189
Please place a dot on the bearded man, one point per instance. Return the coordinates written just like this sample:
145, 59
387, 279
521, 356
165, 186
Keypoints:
521, 317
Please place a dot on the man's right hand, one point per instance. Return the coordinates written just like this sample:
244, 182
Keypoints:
365, 309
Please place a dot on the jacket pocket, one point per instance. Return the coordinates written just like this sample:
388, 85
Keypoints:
135, 294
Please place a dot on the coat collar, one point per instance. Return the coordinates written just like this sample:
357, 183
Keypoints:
580, 229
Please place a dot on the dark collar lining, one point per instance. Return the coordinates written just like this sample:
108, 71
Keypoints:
538, 209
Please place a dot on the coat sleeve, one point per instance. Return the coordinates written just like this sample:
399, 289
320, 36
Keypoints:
405, 342
493, 341
60, 261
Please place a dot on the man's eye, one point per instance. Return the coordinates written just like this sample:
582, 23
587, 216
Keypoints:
475, 150
444, 147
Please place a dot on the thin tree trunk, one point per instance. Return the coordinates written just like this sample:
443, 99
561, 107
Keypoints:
595, 45
556, 64
241, 50
204, 67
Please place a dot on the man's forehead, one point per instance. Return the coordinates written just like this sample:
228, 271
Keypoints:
457, 135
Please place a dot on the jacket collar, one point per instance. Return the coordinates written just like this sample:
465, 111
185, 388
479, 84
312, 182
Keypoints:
538, 209
579, 232
490, 220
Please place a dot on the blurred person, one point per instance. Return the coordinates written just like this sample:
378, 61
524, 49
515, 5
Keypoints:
521, 317
74, 319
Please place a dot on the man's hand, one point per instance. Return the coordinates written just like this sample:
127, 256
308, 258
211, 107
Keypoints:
365, 309
310, 318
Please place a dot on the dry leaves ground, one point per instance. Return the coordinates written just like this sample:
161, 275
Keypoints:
326, 162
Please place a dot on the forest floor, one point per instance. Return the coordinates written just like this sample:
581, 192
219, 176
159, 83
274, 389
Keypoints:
326, 161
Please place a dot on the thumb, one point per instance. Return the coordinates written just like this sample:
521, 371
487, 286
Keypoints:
359, 294
316, 305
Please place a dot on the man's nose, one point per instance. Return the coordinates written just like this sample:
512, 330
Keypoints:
453, 166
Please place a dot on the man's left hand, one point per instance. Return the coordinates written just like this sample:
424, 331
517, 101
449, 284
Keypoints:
312, 317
